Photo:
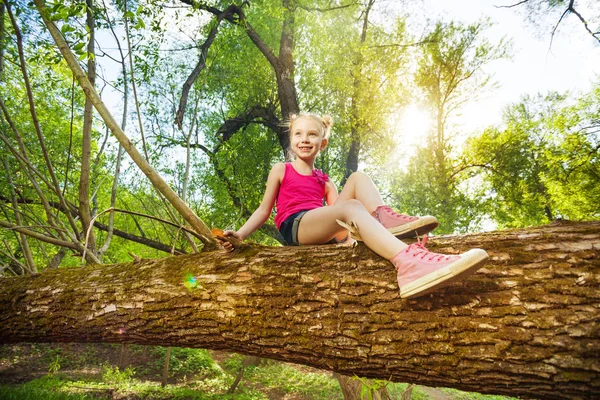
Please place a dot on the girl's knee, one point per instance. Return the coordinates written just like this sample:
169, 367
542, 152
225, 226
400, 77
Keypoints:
358, 175
351, 207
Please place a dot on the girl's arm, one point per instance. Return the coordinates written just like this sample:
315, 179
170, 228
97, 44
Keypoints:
263, 211
331, 196
331, 193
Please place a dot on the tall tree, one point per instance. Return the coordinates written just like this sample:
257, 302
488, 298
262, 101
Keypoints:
542, 163
449, 74
86, 149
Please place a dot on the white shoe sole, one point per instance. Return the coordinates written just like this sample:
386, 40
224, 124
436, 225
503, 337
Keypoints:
419, 227
468, 263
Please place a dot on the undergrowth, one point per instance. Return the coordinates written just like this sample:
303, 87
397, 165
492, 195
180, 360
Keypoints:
71, 371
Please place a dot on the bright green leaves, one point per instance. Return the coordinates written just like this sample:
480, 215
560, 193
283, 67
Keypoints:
70, 16
542, 164
60, 11
449, 74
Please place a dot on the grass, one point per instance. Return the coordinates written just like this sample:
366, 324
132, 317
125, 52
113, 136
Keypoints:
288, 379
459, 395
75, 371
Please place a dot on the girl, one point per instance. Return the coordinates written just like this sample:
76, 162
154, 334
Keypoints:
299, 190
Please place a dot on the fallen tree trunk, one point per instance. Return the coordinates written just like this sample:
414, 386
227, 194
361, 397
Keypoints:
525, 325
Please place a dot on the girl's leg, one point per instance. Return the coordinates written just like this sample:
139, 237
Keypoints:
360, 187
318, 226
419, 270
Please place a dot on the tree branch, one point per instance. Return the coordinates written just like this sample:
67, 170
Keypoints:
36, 122
513, 5
200, 66
86, 143
585, 24
146, 168
39, 236
240, 21
122, 234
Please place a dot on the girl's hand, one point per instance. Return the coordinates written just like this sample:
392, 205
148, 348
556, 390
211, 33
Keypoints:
227, 245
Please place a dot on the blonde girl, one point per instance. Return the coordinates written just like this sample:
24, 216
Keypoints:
299, 189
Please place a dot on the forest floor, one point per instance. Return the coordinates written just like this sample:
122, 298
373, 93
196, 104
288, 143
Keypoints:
91, 371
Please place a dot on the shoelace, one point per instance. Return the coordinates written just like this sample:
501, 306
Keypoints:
394, 213
418, 249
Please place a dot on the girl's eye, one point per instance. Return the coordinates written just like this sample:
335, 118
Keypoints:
313, 134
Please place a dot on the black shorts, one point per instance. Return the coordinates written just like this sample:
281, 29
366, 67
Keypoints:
289, 228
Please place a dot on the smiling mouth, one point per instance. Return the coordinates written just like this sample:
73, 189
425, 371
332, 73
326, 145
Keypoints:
305, 148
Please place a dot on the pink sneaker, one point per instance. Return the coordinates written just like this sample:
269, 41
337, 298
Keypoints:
421, 271
404, 226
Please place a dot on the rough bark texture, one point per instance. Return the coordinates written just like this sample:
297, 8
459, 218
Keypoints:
526, 324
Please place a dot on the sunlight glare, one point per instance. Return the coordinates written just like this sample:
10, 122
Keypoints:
415, 123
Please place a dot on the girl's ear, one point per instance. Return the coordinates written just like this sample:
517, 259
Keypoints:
324, 143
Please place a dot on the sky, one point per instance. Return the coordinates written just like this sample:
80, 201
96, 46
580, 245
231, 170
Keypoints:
571, 64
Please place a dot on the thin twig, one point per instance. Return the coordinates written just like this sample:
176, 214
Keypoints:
87, 234
556, 26
34, 117
136, 101
513, 5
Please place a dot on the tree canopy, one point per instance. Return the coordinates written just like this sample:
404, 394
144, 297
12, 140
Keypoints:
203, 89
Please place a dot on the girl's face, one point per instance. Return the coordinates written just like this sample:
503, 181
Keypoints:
307, 138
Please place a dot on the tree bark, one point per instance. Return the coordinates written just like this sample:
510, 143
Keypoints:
526, 324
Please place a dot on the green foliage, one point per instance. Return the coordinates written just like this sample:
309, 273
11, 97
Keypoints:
369, 388
43, 388
449, 72
54, 365
290, 380
233, 364
113, 376
459, 395
199, 377
542, 163
183, 362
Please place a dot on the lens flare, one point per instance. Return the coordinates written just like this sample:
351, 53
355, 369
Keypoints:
190, 282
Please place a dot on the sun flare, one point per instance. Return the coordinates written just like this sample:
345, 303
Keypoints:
415, 122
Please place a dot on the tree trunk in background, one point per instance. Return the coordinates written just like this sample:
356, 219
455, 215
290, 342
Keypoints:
124, 356
165, 371
524, 325
86, 146
357, 121
284, 72
354, 388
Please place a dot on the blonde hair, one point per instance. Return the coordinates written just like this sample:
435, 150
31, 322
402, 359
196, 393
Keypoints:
325, 122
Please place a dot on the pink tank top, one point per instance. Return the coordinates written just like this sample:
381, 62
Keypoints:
299, 192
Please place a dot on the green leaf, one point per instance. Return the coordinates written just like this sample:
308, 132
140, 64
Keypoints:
78, 47
66, 28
